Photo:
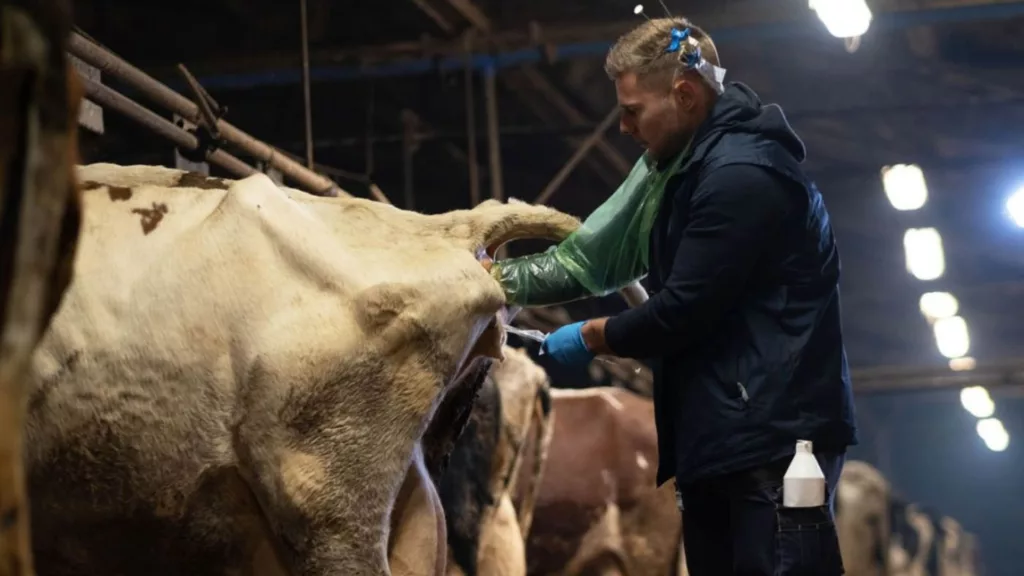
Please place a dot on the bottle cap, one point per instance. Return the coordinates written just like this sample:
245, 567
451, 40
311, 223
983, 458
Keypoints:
805, 446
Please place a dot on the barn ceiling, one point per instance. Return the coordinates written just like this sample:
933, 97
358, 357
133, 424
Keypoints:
938, 83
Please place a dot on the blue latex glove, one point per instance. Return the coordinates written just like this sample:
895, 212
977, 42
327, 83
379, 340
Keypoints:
566, 346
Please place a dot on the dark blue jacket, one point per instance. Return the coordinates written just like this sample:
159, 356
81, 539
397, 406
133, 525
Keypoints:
743, 330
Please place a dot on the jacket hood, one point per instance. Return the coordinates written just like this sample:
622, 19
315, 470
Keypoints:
739, 110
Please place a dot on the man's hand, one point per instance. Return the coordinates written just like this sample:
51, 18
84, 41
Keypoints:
566, 346
593, 336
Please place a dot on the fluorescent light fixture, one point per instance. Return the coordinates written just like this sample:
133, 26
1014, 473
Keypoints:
843, 18
905, 186
993, 434
951, 336
936, 305
975, 399
926, 259
1015, 206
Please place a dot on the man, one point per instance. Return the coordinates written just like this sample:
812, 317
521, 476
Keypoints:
743, 328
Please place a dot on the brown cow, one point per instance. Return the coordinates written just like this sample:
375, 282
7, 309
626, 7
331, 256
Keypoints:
598, 510
242, 376
39, 219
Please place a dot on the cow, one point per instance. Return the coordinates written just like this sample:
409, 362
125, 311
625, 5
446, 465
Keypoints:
862, 505
598, 510
485, 532
39, 227
882, 535
241, 376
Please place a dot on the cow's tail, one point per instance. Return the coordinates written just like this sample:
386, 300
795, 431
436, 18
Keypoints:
545, 419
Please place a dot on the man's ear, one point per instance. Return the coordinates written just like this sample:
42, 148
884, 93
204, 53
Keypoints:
683, 91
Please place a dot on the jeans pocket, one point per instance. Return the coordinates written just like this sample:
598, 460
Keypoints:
806, 543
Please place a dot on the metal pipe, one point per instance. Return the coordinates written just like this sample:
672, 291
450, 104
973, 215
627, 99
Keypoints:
493, 141
474, 176
369, 131
577, 156
423, 135
634, 294
305, 85
886, 21
202, 101
378, 194
408, 149
112, 100
174, 102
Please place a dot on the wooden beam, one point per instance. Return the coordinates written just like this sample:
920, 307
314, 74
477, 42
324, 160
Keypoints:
453, 150
992, 374
469, 80
577, 156
432, 13
536, 103
737, 17
409, 146
475, 16
482, 23
493, 140
483, 26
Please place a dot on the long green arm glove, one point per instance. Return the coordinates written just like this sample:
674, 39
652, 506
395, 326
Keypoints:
537, 280
606, 253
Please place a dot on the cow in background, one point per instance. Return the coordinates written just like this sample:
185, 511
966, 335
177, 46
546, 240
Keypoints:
598, 510
863, 515
881, 535
485, 533
242, 377
956, 549
913, 539
40, 95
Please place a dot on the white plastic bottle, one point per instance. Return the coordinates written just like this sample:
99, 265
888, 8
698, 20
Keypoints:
803, 486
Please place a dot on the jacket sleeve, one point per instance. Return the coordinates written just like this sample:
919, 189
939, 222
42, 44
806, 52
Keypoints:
736, 213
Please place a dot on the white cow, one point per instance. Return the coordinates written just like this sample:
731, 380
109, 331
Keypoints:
863, 499
239, 377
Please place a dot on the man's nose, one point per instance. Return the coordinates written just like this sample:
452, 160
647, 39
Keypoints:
625, 127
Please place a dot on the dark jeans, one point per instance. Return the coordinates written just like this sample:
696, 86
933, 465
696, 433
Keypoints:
735, 525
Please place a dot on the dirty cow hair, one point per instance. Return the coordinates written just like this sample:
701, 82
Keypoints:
451, 418
465, 487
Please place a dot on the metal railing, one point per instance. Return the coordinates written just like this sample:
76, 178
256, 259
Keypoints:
113, 65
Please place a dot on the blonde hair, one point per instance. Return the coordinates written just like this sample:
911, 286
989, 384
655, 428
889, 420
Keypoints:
642, 49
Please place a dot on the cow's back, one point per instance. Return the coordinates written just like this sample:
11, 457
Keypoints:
138, 384
184, 293
603, 449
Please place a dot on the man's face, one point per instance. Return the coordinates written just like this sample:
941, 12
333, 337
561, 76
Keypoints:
655, 116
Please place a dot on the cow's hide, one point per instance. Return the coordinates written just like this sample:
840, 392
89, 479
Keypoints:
485, 535
598, 504
240, 374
